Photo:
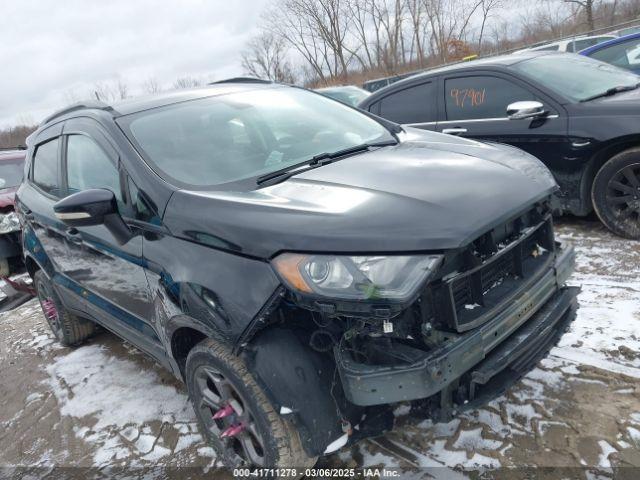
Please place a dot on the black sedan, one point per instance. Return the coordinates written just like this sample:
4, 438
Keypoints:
579, 116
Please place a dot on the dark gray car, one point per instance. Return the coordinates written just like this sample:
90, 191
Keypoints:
300, 265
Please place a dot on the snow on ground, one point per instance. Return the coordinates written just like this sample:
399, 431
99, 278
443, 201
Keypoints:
106, 404
91, 382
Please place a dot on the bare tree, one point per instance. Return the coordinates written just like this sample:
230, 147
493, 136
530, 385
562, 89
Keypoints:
419, 29
359, 14
151, 85
388, 18
487, 8
186, 82
449, 21
340, 40
317, 30
110, 91
123, 90
265, 57
16, 136
587, 7
104, 92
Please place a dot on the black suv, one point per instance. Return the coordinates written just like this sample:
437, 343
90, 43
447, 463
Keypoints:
579, 116
299, 264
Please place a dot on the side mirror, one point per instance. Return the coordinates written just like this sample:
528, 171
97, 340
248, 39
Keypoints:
86, 208
524, 110
96, 206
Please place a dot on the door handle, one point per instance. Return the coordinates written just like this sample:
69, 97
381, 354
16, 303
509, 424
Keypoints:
454, 131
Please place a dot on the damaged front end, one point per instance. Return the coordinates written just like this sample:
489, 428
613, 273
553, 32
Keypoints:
481, 316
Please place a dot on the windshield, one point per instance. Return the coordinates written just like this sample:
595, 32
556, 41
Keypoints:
216, 140
11, 174
575, 77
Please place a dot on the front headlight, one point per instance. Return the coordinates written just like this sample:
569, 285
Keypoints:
393, 277
9, 223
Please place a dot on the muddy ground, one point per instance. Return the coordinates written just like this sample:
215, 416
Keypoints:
106, 406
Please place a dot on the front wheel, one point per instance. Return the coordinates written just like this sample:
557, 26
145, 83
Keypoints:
234, 413
616, 194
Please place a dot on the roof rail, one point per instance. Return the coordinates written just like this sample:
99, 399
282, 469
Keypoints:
97, 104
241, 80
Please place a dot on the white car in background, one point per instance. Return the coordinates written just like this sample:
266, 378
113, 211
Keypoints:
573, 44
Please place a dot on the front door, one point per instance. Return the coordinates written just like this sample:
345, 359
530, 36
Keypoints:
109, 275
475, 106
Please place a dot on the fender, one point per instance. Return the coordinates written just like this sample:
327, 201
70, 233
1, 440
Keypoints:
182, 321
302, 384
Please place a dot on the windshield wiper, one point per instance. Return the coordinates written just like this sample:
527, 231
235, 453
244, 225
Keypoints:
320, 160
317, 159
612, 91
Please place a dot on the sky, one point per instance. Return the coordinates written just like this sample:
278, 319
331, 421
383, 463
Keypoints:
55, 51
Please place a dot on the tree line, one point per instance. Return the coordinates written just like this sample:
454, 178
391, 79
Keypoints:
318, 42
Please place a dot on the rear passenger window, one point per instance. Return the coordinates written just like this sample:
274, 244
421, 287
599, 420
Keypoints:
470, 98
45, 167
411, 105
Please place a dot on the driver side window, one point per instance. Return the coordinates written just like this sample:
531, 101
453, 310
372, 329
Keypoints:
481, 97
88, 166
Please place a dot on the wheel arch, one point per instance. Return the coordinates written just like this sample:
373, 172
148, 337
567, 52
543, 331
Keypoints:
601, 156
184, 333
31, 265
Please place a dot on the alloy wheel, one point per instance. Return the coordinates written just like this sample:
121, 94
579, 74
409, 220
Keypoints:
50, 309
228, 417
623, 195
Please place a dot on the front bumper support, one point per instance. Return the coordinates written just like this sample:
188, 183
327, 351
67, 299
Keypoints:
522, 329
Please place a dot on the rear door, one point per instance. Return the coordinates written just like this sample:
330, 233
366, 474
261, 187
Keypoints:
43, 234
109, 276
474, 105
414, 105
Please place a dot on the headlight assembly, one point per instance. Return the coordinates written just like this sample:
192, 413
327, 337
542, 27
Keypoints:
9, 223
393, 277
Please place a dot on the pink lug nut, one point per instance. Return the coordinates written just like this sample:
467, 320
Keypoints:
232, 431
49, 309
223, 412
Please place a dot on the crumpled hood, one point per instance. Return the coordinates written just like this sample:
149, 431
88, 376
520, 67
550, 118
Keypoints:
430, 192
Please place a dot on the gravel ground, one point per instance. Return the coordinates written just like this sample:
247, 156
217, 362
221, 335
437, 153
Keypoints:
105, 405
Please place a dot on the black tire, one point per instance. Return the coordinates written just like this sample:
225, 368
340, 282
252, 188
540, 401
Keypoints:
211, 367
68, 329
616, 194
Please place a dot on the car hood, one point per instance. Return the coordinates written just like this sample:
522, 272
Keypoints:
620, 103
429, 192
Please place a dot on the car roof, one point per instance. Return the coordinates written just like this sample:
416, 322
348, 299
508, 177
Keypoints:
608, 43
341, 88
497, 61
500, 60
139, 104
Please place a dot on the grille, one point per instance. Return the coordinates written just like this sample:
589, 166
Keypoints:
496, 270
